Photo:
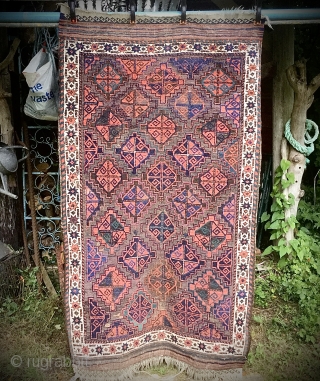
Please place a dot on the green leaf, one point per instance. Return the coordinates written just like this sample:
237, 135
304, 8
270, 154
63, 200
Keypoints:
265, 217
285, 164
300, 254
285, 184
276, 235
295, 245
283, 262
275, 207
292, 222
268, 250
282, 241
275, 225
257, 319
290, 177
283, 251
278, 171
278, 215
291, 199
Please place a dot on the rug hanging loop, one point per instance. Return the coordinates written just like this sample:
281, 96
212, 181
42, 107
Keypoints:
132, 12
257, 7
72, 6
183, 19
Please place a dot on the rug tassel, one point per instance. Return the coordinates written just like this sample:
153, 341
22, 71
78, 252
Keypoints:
75, 377
85, 374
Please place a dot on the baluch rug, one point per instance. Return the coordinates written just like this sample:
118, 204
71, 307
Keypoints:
160, 160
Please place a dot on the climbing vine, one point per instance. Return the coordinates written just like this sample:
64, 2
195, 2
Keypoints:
298, 279
277, 222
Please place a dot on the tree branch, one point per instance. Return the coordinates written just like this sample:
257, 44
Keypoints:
292, 77
301, 65
12, 52
314, 84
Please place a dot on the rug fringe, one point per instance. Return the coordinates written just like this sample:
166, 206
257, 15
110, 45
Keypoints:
90, 374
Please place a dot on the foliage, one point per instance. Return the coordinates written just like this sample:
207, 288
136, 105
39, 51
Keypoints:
275, 351
296, 277
31, 330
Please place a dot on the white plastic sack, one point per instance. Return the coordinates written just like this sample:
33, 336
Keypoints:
41, 77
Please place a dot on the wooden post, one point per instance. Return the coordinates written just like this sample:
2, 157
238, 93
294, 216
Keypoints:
8, 206
283, 57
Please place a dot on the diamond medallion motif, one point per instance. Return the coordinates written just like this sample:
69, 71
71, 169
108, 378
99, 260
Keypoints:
161, 227
163, 82
213, 181
108, 79
186, 311
211, 235
218, 83
215, 131
134, 104
136, 257
161, 128
108, 176
208, 290
109, 126
135, 152
140, 309
184, 260
187, 204
188, 154
91, 148
135, 201
111, 287
161, 176
189, 105
110, 231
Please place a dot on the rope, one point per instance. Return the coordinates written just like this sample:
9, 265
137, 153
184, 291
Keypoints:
308, 148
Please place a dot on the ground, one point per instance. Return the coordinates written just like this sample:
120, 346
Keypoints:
35, 348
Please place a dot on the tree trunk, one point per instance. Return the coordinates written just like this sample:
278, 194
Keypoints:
283, 57
303, 98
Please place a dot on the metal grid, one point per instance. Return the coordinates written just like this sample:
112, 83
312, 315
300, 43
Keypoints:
45, 175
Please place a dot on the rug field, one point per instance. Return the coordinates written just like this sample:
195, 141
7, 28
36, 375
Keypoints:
160, 160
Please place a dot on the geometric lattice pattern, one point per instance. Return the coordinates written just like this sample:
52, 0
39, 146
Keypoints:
159, 152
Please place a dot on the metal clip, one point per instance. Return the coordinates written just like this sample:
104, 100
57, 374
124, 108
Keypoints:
132, 12
183, 4
257, 7
72, 6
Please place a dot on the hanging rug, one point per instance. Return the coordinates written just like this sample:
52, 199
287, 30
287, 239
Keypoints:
160, 159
